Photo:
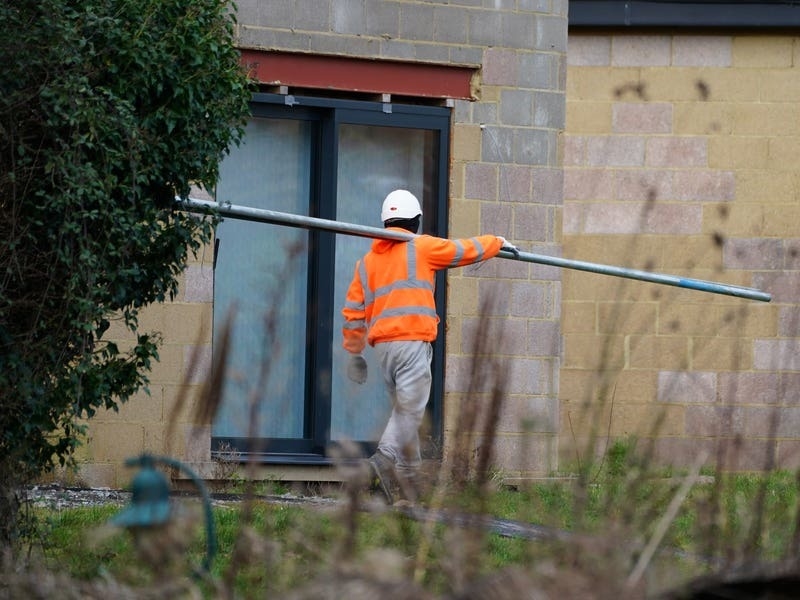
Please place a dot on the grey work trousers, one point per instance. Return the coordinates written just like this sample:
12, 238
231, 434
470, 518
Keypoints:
406, 368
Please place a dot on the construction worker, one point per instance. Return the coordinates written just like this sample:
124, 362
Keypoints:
390, 305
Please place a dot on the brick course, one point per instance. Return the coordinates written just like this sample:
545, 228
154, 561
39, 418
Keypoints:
715, 197
505, 178
671, 152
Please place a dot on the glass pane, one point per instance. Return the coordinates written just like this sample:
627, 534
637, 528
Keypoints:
261, 274
373, 161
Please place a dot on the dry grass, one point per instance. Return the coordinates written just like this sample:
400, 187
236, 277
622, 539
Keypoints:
618, 527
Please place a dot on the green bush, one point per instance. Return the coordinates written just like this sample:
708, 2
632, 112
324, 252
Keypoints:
109, 109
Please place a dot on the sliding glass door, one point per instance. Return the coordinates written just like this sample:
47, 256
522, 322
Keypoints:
286, 397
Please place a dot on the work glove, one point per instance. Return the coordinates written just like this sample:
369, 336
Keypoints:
357, 368
508, 246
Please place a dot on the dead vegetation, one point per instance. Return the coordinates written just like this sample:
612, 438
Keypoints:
618, 509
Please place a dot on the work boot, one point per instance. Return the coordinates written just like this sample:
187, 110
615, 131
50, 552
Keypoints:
383, 475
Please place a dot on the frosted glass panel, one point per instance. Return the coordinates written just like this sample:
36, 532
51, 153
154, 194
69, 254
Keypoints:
372, 162
261, 273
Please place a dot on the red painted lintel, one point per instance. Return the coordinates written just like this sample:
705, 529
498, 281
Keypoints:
359, 75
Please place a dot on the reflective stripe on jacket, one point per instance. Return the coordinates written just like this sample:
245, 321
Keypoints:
391, 295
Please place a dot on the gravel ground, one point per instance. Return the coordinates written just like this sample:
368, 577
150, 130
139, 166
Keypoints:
58, 497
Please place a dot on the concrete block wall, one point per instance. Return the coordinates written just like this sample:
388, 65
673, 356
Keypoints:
505, 179
505, 172
161, 421
680, 157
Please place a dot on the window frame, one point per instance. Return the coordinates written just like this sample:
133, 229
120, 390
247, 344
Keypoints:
325, 324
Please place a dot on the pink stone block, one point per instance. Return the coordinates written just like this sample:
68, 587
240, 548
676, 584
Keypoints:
753, 253
789, 389
789, 321
763, 421
677, 152
704, 185
544, 338
589, 51
632, 218
772, 422
641, 117
613, 218
743, 454
675, 219
497, 219
711, 420
502, 269
510, 269
644, 184
515, 183
480, 181
749, 388
199, 283
491, 329
523, 414
528, 376
683, 451
533, 222
500, 67
464, 374
197, 362
530, 299
788, 455
732, 453
494, 297
589, 184
702, 50
777, 355
572, 218
574, 150
545, 272
792, 254
525, 454
615, 151
548, 186
197, 439
641, 50
687, 387
784, 285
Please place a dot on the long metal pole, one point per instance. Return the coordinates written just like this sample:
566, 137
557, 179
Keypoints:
262, 215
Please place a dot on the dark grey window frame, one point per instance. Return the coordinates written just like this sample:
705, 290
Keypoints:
708, 14
328, 113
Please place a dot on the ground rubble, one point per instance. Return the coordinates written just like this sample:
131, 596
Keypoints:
58, 497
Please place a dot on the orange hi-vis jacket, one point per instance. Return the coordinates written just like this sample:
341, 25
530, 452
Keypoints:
391, 295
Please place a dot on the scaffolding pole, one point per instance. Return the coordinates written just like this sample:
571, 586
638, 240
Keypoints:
262, 215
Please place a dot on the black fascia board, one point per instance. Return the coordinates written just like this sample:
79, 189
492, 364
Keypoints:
665, 13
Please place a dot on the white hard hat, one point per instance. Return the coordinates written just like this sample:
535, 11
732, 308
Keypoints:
400, 204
